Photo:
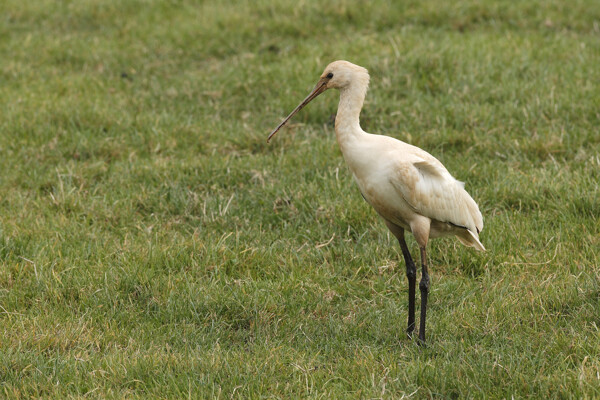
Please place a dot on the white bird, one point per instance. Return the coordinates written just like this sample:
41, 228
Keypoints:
408, 187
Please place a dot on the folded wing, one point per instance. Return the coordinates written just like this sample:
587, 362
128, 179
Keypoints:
431, 191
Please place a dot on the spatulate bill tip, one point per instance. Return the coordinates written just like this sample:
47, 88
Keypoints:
273, 133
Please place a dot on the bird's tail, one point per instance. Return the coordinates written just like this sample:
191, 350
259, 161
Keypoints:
471, 239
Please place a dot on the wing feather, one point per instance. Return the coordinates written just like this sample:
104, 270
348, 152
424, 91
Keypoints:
429, 189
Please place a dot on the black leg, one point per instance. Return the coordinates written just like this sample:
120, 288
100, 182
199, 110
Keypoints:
424, 287
411, 274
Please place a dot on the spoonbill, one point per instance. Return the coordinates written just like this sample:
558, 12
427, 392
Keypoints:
408, 187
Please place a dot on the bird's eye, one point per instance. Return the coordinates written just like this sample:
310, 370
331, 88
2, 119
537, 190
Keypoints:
330, 75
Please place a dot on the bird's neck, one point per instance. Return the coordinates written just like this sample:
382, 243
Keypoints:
347, 123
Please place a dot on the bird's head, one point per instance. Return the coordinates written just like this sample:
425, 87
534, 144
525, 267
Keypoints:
337, 75
341, 74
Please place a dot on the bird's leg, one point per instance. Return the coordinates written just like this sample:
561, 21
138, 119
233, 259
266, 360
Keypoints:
411, 274
424, 287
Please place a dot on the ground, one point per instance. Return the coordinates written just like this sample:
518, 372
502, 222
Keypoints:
152, 245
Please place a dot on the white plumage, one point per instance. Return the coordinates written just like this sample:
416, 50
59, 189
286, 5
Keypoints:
408, 187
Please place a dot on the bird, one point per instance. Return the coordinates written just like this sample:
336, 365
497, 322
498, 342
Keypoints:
408, 187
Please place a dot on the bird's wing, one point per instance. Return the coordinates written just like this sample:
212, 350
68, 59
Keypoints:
431, 191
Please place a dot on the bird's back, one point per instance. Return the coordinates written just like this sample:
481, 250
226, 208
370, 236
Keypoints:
417, 184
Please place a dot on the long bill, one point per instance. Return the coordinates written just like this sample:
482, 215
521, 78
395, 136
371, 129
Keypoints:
320, 88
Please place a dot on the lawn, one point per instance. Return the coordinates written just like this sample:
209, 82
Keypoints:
153, 245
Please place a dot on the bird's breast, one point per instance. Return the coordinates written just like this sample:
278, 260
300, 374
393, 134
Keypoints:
384, 199
372, 159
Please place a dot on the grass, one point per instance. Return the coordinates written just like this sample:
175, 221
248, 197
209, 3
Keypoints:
152, 245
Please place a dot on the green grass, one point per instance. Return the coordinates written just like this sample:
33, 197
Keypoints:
152, 245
